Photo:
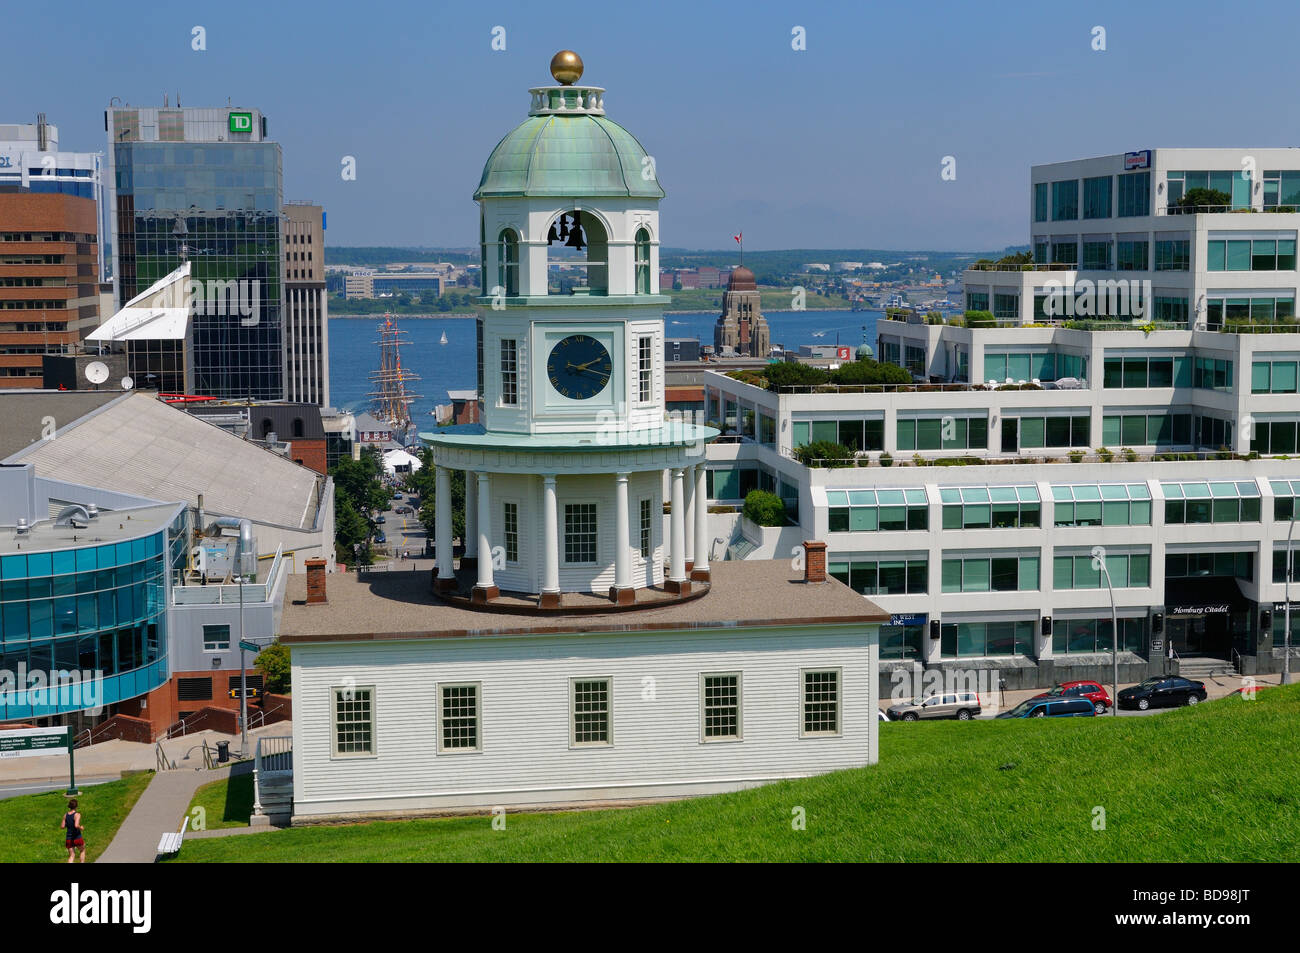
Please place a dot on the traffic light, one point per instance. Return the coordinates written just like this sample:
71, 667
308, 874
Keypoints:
252, 693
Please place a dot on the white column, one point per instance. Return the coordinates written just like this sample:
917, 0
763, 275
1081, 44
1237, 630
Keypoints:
677, 529
622, 536
484, 528
550, 537
442, 521
471, 515
689, 515
701, 522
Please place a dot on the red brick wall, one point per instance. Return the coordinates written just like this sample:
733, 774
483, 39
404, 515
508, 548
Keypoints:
310, 453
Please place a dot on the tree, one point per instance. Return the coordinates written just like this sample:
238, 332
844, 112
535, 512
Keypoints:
350, 529
868, 371
1205, 197
273, 663
824, 453
787, 374
424, 484
359, 481
764, 508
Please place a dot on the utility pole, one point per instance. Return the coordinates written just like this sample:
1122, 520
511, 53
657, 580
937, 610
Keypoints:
1099, 563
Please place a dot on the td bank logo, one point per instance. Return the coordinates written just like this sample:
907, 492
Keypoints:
241, 122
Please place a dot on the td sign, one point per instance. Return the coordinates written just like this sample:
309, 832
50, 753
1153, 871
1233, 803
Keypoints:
241, 122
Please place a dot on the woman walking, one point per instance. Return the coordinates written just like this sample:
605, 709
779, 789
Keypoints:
72, 832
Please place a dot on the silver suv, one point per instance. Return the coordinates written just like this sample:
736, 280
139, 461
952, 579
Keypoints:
960, 705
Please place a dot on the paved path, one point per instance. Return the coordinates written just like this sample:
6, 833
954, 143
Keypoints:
161, 808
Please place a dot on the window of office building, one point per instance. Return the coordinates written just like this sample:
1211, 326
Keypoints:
1212, 374
855, 434
1127, 570
1224, 501
914, 360
1131, 255
1250, 254
975, 301
1105, 504
1147, 371
1189, 565
1026, 366
1134, 194
901, 642
1212, 432
874, 576
990, 573
1096, 255
1060, 431
943, 433
1065, 200
1253, 310
990, 507
1082, 636
887, 510
1273, 377
1096, 197
1040, 251
1284, 497
1174, 255
1006, 305
580, 533
720, 706
1040, 201
735, 482
1274, 437
1279, 574
1171, 309
216, 638
1065, 252
985, 639
509, 373
1282, 190
1147, 430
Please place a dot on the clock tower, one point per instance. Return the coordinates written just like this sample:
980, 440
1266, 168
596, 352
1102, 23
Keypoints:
568, 474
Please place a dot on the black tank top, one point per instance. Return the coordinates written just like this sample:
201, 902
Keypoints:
70, 822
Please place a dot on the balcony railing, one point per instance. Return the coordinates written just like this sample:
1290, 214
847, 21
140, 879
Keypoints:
1216, 209
1030, 266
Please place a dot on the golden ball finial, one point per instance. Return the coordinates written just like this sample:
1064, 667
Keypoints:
566, 67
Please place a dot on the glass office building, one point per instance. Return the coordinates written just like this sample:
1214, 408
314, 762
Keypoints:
187, 185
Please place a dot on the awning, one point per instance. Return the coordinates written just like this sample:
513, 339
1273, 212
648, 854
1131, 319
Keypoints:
1204, 595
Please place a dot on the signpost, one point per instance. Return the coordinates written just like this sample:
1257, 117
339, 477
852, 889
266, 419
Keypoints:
37, 742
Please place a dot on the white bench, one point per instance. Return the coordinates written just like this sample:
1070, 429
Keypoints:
171, 843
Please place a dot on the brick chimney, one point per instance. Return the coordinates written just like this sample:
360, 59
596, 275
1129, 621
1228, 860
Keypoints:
316, 580
814, 561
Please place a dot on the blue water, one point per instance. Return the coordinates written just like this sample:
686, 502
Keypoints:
354, 349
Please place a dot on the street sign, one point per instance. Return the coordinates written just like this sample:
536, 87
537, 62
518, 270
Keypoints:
33, 742
249, 646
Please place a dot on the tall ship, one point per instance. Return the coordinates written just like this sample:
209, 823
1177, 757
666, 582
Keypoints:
391, 398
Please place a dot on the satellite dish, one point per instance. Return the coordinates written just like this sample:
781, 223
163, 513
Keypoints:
127, 383
97, 372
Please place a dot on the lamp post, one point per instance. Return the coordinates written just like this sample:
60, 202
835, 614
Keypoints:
243, 664
1286, 598
1099, 563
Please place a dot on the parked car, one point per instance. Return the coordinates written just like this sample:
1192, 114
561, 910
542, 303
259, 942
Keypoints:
380, 518
960, 705
380, 537
883, 716
1049, 707
1163, 691
397, 496
1092, 691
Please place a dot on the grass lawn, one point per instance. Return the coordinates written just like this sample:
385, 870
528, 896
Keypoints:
1218, 782
30, 822
225, 803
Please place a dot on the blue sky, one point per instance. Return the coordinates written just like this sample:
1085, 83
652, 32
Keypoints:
836, 146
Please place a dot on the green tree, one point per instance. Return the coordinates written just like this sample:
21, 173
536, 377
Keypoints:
359, 481
273, 663
764, 508
1200, 197
824, 453
350, 529
423, 483
787, 374
868, 371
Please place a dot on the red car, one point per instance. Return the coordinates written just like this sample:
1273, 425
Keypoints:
1083, 689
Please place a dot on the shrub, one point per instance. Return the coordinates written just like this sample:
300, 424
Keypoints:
273, 663
787, 374
1200, 197
824, 453
868, 371
979, 319
1130, 454
764, 508
886, 459
1076, 456
1105, 454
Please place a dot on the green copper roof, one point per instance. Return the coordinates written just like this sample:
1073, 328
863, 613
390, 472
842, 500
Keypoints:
567, 156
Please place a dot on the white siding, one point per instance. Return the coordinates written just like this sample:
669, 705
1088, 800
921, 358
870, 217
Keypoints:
526, 757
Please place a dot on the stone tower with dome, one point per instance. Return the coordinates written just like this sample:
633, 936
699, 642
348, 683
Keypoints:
742, 328
568, 474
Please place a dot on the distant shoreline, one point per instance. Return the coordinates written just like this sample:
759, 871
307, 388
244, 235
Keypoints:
461, 315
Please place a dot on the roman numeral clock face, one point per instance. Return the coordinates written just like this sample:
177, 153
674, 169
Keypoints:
579, 367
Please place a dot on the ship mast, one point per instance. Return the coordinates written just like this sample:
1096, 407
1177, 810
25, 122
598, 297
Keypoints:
392, 401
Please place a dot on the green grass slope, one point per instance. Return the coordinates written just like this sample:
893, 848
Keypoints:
30, 822
1217, 782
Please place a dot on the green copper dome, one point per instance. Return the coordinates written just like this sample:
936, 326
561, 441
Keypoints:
568, 156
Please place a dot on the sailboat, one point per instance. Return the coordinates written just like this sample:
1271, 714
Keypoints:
444, 338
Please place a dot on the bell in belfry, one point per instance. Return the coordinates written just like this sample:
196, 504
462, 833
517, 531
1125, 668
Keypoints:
575, 234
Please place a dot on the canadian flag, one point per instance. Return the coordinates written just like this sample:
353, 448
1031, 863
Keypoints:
738, 237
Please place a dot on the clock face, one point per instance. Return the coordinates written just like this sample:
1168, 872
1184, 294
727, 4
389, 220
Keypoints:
579, 367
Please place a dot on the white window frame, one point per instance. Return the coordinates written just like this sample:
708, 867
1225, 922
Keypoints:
511, 375
839, 702
646, 528
478, 717
505, 533
564, 540
335, 754
705, 738
220, 646
609, 712
645, 368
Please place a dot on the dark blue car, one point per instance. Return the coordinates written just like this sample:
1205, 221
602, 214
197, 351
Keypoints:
1052, 708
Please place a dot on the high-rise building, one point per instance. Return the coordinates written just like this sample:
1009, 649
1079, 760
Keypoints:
306, 311
742, 327
204, 185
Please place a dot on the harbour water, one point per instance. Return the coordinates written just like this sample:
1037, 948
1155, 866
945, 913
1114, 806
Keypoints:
354, 349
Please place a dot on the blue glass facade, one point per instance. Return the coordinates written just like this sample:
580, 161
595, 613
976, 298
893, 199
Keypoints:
99, 608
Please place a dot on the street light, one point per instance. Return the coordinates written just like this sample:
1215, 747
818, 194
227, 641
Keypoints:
1099, 563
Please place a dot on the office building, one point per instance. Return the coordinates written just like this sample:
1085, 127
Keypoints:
306, 306
741, 329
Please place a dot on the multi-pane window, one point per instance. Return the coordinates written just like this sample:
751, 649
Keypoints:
580, 532
508, 262
975, 301
1213, 432
1096, 197
216, 638
854, 434
1274, 437
1147, 430
990, 573
914, 359
1284, 497
1006, 305
1134, 194
1212, 374
990, 507
1173, 255
720, 706
943, 433
1072, 431
821, 702
1250, 254
459, 717
645, 368
1079, 636
1040, 201
1127, 570
854, 510
1131, 255
1145, 371
354, 721
1171, 309
1223, 501
642, 261
1273, 377
983, 639
510, 525
1106, 504
1096, 255
1065, 200
1033, 365
872, 576
1280, 568
1065, 251
509, 372
1252, 310
1189, 565
590, 710
1228, 181
646, 528
1282, 190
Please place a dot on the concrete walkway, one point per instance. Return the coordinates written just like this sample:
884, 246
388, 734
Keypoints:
161, 809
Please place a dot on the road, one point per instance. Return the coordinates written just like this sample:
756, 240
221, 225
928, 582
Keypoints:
39, 787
